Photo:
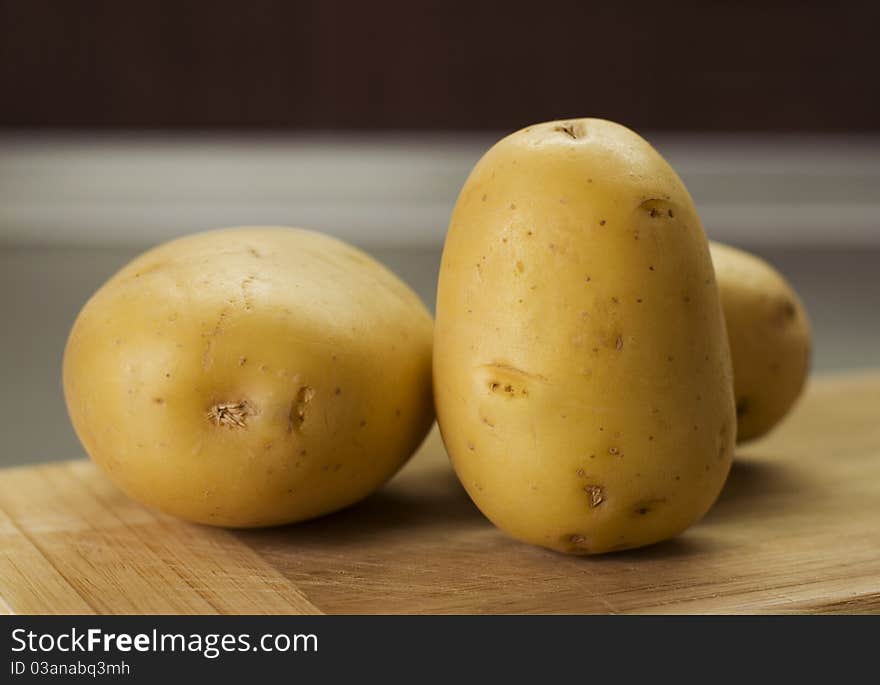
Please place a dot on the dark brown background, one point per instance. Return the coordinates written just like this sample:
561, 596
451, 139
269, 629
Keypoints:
329, 64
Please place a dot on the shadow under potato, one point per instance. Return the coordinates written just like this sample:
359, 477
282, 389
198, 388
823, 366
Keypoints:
434, 500
757, 486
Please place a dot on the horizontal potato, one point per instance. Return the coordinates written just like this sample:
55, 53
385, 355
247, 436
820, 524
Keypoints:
769, 335
582, 375
250, 376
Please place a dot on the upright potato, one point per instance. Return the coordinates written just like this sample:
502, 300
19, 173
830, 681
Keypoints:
769, 336
581, 369
250, 377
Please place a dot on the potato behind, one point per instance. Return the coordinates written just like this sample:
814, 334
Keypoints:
581, 369
769, 336
250, 376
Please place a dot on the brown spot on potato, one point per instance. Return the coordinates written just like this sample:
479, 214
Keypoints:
656, 208
150, 268
784, 312
596, 495
230, 414
647, 506
470, 445
297, 415
245, 291
602, 222
580, 473
510, 380
158, 400
575, 542
572, 129
613, 451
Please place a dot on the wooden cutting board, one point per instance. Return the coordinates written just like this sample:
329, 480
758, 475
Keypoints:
797, 529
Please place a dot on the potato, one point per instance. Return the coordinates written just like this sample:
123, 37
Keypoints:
250, 376
581, 370
769, 337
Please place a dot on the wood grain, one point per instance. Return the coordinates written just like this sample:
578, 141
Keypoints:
797, 529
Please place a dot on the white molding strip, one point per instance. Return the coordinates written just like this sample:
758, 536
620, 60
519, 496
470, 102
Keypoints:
397, 189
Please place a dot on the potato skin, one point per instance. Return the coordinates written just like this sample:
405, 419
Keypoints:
770, 341
250, 376
582, 376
